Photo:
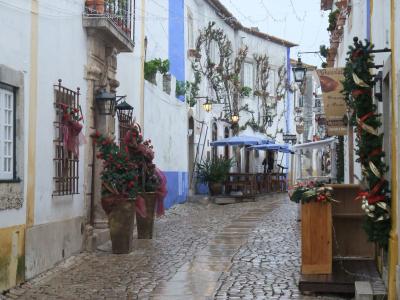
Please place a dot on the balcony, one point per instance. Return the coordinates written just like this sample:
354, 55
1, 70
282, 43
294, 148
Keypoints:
112, 21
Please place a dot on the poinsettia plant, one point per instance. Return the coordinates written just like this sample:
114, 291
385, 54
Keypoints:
142, 153
120, 175
311, 192
151, 179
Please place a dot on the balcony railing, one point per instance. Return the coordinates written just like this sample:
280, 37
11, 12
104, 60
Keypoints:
119, 12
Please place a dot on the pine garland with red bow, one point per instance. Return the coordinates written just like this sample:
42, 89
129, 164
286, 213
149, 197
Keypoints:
358, 85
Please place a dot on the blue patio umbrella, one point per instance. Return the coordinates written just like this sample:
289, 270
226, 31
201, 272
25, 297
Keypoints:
241, 140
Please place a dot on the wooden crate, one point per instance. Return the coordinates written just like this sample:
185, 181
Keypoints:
316, 238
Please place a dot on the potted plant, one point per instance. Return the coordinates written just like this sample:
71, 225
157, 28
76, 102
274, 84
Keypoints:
120, 186
152, 182
214, 172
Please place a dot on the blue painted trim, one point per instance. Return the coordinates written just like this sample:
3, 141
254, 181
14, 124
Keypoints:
176, 47
368, 20
177, 186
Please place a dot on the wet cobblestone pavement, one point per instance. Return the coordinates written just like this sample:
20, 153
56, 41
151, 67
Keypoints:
200, 251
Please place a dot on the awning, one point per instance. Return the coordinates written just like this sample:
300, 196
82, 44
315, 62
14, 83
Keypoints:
241, 140
284, 148
315, 145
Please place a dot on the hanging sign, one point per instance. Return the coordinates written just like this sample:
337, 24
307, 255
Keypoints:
334, 104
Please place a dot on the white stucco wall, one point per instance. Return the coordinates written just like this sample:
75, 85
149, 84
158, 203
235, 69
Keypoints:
202, 14
15, 54
166, 126
61, 55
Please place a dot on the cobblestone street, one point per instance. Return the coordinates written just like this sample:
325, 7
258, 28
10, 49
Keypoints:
201, 251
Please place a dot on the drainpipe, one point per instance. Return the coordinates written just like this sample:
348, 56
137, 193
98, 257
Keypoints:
31, 174
143, 42
393, 240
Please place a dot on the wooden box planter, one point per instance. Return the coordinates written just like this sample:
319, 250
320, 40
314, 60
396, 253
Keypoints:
347, 218
316, 238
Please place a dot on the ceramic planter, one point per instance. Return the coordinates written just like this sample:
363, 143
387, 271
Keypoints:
121, 221
215, 188
145, 224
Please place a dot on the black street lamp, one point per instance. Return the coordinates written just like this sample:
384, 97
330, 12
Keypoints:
207, 105
269, 120
105, 102
290, 138
124, 112
378, 86
299, 71
235, 118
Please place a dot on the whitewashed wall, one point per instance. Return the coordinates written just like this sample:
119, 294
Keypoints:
15, 54
62, 55
202, 14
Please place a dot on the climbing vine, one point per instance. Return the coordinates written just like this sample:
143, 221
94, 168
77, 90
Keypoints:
358, 85
215, 63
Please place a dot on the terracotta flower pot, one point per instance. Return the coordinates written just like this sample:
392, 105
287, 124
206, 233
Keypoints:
215, 188
100, 6
121, 221
145, 224
90, 4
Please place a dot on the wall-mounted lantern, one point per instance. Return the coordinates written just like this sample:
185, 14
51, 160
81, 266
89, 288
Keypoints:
378, 86
124, 111
299, 71
207, 105
235, 118
269, 120
290, 138
105, 102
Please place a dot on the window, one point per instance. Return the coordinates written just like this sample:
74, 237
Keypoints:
66, 160
248, 75
190, 31
7, 137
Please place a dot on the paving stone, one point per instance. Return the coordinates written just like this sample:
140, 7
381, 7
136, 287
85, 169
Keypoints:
251, 251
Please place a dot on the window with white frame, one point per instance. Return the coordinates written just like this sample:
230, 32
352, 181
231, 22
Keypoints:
248, 78
190, 31
7, 154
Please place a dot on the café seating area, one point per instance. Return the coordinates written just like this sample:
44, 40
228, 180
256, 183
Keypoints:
253, 184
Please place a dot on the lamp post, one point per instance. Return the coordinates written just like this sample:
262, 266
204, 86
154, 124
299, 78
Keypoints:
299, 71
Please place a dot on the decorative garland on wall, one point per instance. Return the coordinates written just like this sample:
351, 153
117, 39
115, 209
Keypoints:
358, 85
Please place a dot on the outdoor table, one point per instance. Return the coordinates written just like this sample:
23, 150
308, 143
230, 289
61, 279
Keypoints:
245, 181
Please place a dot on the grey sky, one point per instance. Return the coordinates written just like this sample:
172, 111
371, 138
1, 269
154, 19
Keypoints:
299, 21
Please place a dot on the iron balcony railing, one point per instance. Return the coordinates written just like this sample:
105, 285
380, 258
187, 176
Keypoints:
120, 12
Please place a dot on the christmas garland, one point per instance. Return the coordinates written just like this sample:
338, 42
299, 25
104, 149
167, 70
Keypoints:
311, 192
358, 85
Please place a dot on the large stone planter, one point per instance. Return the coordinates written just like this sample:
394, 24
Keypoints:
121, 221
145, 225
